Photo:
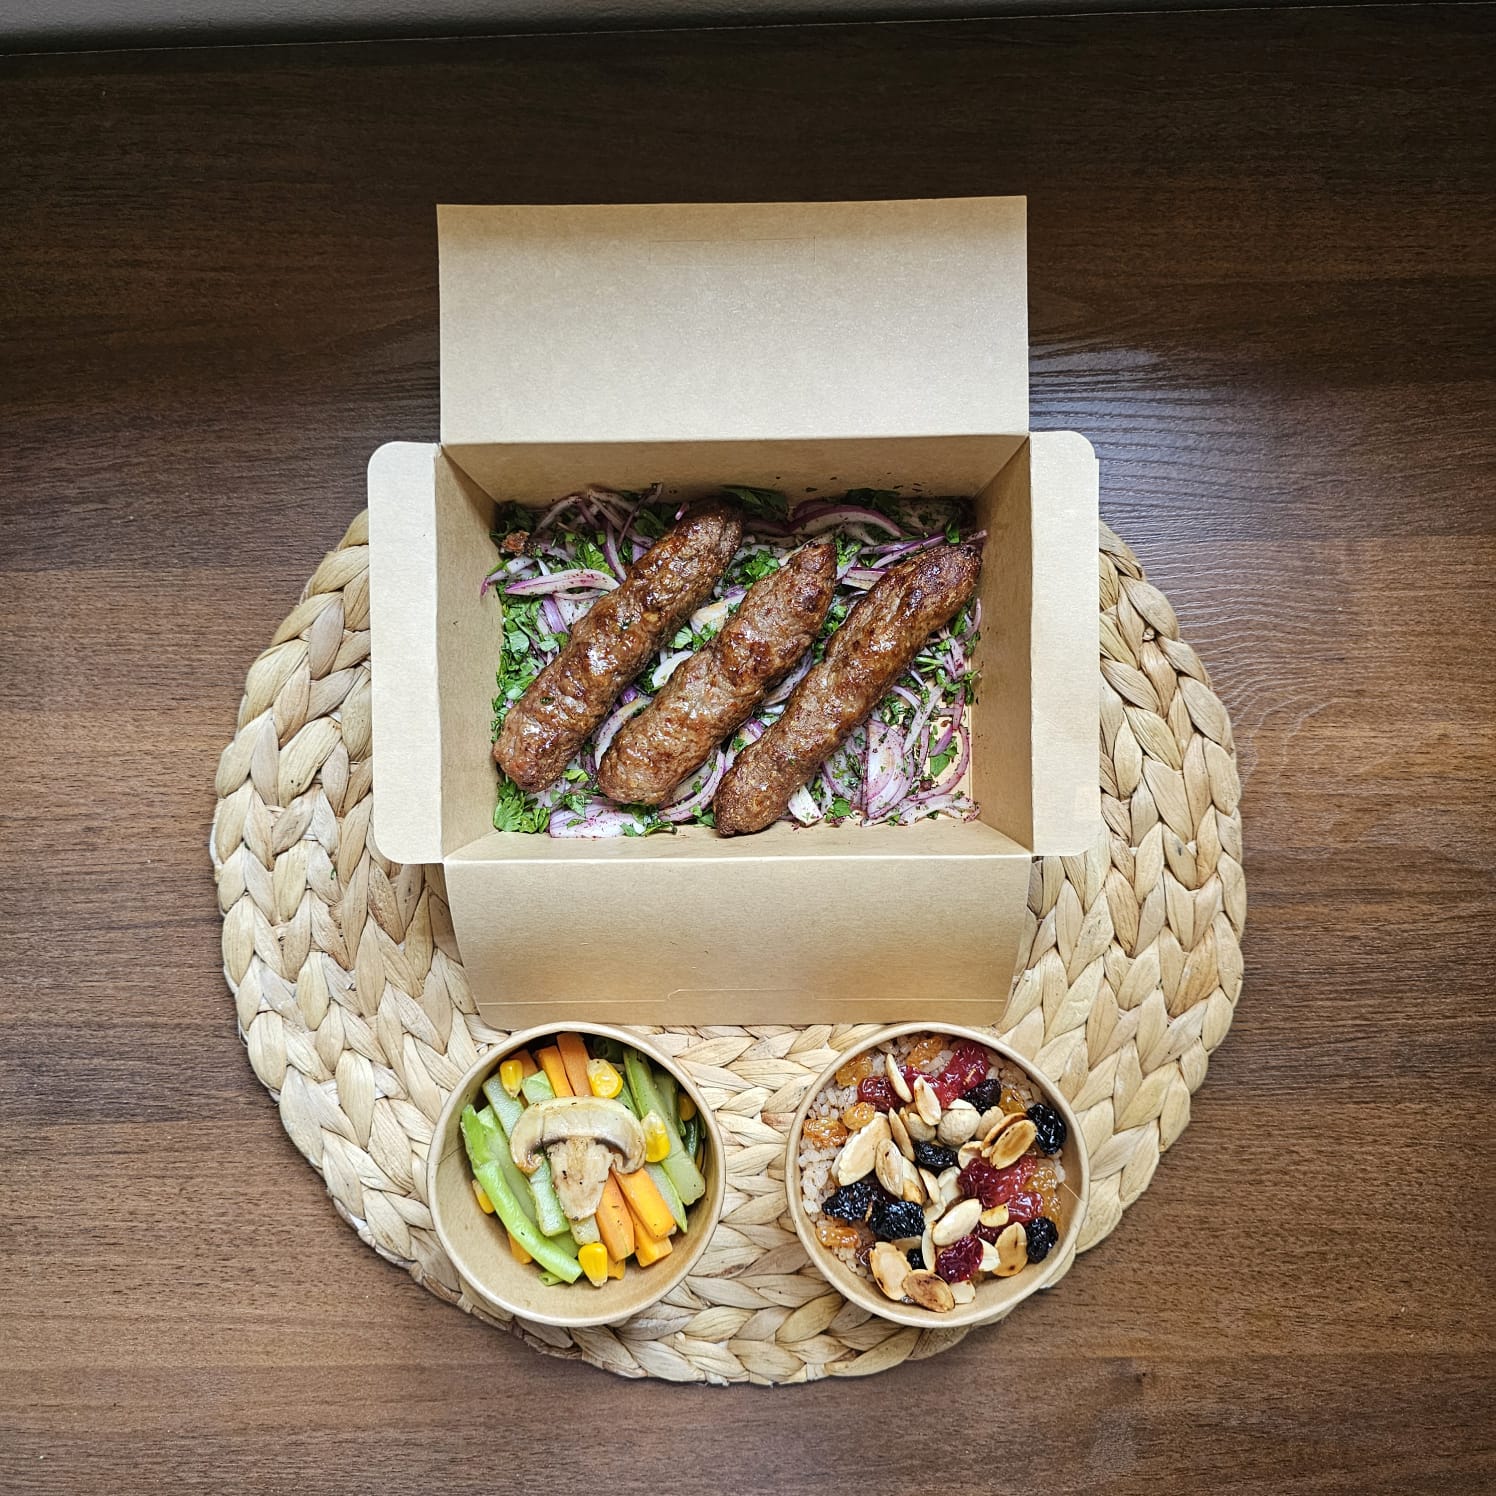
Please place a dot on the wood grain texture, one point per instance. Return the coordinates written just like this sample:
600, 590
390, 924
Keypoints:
1263, 265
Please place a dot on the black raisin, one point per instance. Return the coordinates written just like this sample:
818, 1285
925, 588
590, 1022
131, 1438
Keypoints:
1042, 1234
916, 1256
934, 1157
1050, 1126
984, 1095
897, 1220
853, 1202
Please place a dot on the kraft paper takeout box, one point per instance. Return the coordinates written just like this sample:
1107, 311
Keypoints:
809, 347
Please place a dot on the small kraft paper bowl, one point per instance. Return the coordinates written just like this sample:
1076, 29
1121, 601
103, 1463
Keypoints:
479, 1248
996, 1297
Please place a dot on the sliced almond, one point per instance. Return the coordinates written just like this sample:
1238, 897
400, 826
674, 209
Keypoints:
896, 1079
860, 1152
958, 1124
967, 1152
956, 1222
1012, 1143
919, 1129
1012, 1251
991, 1258
1000, 1124
996, 1216
927, 1241
988, 1120
926, 1102
932, 1186
950, 1187
897, 1175
890, 1269
900, 1134
922, 1287
963, 1293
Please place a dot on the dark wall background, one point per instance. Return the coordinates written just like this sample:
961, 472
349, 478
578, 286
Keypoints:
47, 25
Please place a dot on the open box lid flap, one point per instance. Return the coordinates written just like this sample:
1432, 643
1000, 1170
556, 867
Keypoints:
733, 321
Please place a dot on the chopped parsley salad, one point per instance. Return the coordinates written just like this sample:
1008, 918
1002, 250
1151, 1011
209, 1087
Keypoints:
902, 765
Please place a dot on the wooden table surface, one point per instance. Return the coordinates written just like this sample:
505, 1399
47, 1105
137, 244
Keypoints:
1262, 259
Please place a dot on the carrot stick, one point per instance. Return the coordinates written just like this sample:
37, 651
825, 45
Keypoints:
555, 1070
614, 1223
574, 1056
648, 1247
646, 1202
526, 1060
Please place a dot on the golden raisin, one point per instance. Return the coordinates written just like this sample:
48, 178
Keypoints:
855, 1070
839, 1235
825, 1132
1010, 1101
858, 1115
1044, 1181
925, 1050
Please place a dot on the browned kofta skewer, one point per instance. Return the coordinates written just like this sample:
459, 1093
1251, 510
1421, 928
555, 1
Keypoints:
612, 642
712, 694
864, 658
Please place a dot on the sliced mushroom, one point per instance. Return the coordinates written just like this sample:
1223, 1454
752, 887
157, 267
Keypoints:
890, 1267
860, 1152
958, 1124
584, 1137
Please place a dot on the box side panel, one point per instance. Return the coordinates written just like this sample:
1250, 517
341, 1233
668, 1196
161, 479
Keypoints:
540, 473
760, 940
733, 321
403, 649
1065, 719
1002, 762
468, 631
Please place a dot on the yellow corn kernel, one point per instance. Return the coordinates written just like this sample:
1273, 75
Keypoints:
656, 1140
484, 1203
594, 1260
512, 1076
687, 1107
518, 1252
603, 1079
615, 1269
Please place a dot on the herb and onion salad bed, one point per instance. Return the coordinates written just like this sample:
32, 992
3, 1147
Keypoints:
904, 764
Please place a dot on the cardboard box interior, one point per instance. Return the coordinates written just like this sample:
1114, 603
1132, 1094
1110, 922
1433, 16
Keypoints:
795, 924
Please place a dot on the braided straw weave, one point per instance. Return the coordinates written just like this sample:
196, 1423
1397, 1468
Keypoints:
357, 1016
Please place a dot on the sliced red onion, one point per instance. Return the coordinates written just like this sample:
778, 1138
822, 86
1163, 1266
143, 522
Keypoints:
861, 576
570, 610
559, 507
952, 776
812, 519
574, 580
683, 810
600, 820
609, 730
714, 614
668, 666
782, 691
804, 808
610, 549
550, 611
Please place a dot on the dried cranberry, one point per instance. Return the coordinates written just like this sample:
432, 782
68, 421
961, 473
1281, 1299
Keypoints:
957, 1262
1025, 1206
876, 1091
968, 1064
979, 1181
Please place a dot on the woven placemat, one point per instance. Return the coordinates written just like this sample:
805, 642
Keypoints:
357, 1016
